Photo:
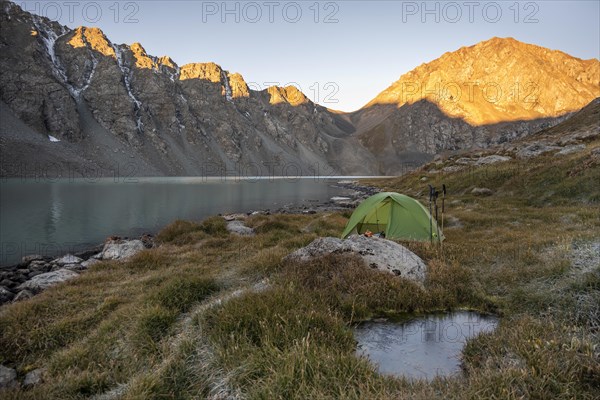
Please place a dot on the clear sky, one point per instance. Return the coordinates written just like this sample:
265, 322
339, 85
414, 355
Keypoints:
339, 53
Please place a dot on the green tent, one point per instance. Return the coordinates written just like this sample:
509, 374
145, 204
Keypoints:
399, 216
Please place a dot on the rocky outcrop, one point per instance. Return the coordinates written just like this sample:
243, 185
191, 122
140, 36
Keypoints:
381, 254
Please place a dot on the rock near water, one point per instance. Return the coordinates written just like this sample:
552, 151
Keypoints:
121, 249
43, 281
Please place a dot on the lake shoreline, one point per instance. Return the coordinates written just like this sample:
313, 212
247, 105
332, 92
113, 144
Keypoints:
14, 278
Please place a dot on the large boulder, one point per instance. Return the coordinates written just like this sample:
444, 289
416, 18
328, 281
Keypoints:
43, 281
377, 253
121, 249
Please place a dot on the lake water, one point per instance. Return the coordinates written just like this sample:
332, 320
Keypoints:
423, 347
61, 216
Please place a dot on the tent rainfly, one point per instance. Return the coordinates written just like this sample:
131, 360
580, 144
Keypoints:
397, 215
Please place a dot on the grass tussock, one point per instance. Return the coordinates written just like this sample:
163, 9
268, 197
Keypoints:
186, 232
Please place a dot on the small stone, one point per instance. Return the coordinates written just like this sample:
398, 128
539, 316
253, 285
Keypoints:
32, 257
238, 228
148, 240
34, 377
68, 259
5, 295
452, 168
19, 278
23, 295
34, 273
88, 263
493, 159
571, 149
8, 378
74, 267
7, 283
481, 192
464, 161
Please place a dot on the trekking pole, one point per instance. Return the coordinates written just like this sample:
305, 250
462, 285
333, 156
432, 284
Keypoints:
431, 190
437, 226
443, 204
443, 210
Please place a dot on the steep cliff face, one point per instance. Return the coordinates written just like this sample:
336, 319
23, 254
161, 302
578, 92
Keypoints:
79, 87
125, 109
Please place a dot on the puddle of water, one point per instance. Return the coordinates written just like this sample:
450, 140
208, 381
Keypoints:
423, 347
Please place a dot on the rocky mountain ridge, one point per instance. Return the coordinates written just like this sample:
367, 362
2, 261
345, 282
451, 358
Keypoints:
71, 96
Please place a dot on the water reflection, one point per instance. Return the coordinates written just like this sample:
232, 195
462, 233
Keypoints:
63, 215
423, 347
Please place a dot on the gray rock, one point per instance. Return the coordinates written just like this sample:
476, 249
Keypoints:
44, 281
121, 249
493, 159
40, 266
344, 201
32, 257
452, 168
381, 254
536, 149
88, 263
233, 217
571, 149
68, 259
74, 267
34, 377
8, 377
23, 295
19, 278
464, 161
5, 295
7, 283
238, 228
34, 273
481, 192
